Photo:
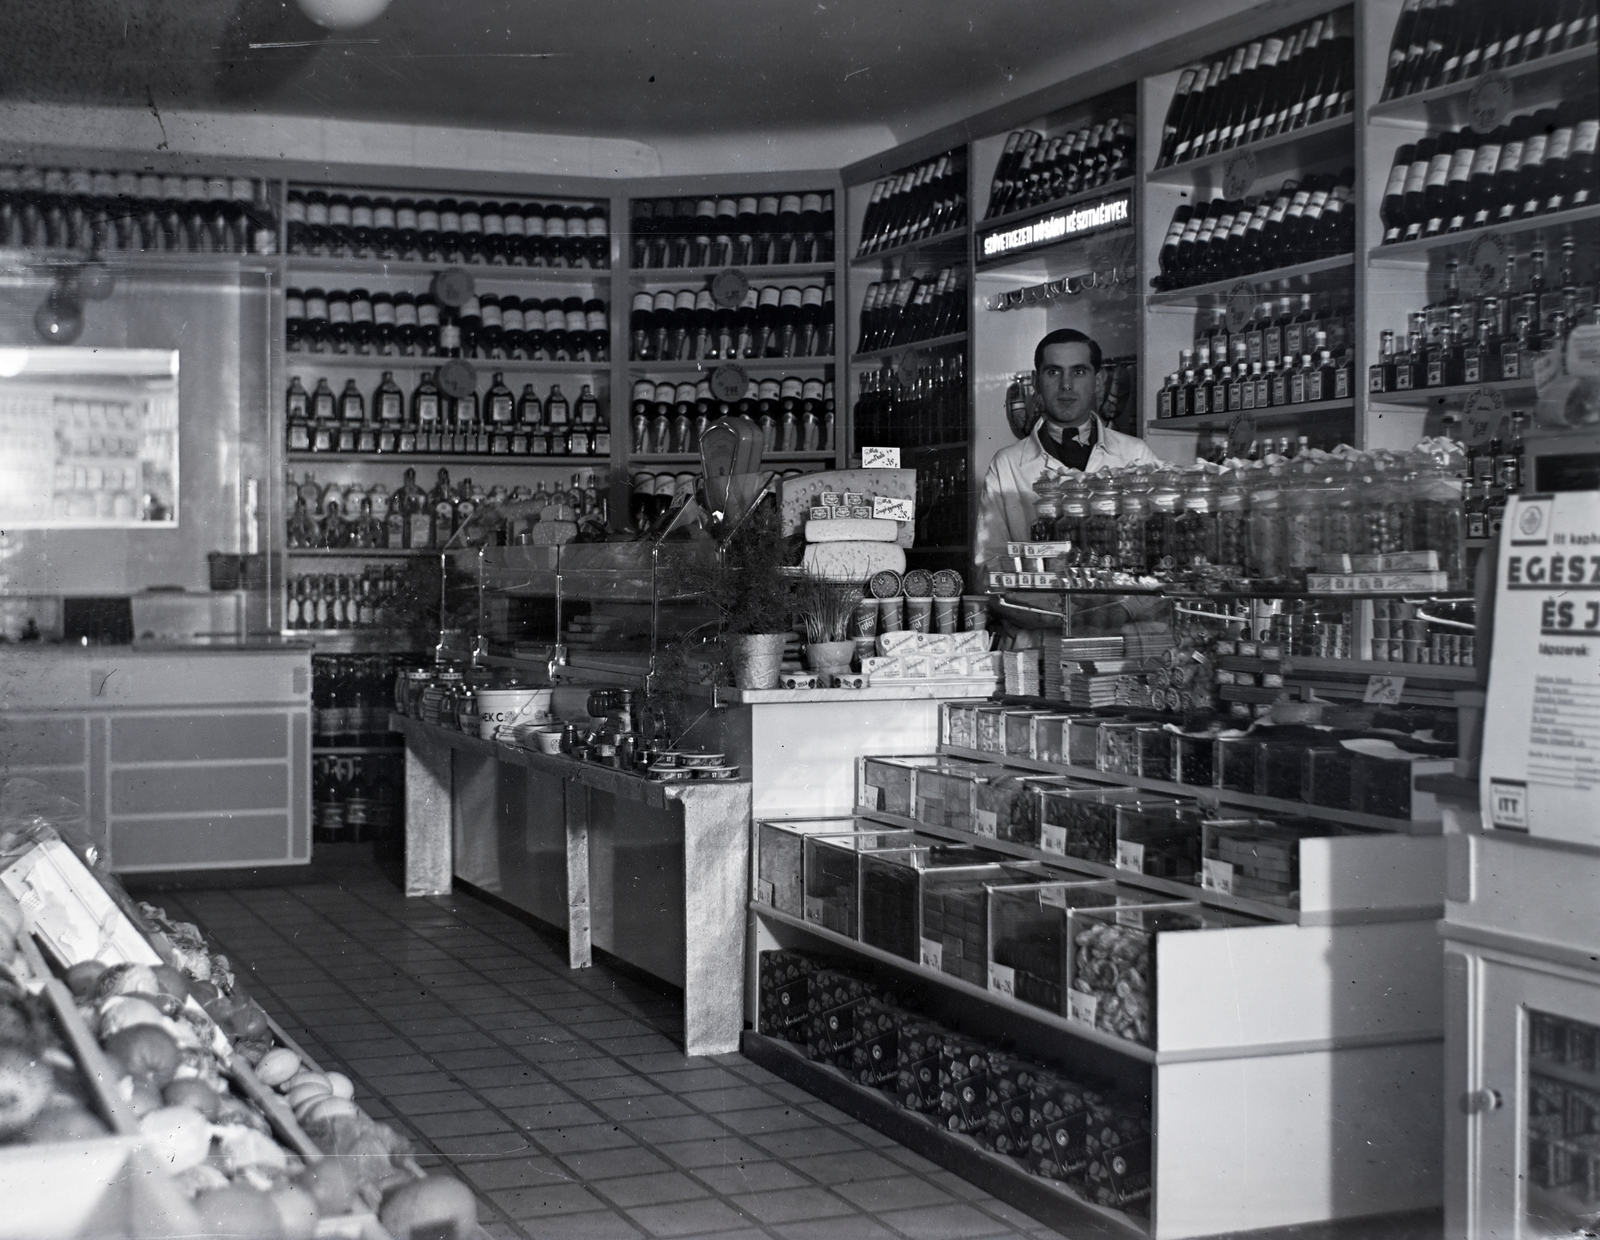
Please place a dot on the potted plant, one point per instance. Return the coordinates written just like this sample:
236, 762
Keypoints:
747, 585
826, 608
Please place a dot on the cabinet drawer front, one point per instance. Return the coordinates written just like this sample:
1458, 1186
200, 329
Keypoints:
198, 789
197, 843
197, 737
42, 740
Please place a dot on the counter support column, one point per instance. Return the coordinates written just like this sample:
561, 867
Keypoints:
716, 868
428, 816
577, 802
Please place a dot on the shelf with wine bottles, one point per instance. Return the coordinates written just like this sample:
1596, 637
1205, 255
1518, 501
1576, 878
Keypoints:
756, 365
693, 458
171, 263
1294, 148
933, 342
444, 458
1271, 415
1510, 390
1531, 83
361, 361
368, 268
359, 553
1424, 247
952, 242
754, 272
1216, 288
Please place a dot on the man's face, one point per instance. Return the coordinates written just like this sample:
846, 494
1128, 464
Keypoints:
1069, 387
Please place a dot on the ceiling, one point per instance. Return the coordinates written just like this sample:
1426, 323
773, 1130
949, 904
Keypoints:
639, 69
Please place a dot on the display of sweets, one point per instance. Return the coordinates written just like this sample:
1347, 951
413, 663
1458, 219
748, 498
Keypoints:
784, 986
780, 858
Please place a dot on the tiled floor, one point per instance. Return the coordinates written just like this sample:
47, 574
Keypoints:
561, 1095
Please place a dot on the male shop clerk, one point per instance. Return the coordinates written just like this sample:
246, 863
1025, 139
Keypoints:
1070, 384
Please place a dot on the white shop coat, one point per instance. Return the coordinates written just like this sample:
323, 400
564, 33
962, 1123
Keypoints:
1005, 513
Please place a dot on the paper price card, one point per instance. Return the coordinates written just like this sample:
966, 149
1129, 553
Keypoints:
1053, 840
880, 458
763, 891
1217, 876
870, 797
1541, 759
1056, 896
1130, 856
813, 909
986, 822
1081, 1007
932, 955
1241, 305
1384, 690
1003, 980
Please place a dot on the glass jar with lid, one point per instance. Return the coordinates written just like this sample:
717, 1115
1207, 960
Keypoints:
1100, 527
1304, 495
1436, 517
1046, 507
1378, 507
1233, 521
1161, 551
1074, 512
1133, 507
1195, 527
1268, 537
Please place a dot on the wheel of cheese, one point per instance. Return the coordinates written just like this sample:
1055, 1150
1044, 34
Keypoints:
852, 561
852, 529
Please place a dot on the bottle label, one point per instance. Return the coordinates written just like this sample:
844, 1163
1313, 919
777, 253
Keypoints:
383, 313
338, 312
361, 311
1560, 144
1584, 135
1416, 176
1438, 170
390, 406
1485, 159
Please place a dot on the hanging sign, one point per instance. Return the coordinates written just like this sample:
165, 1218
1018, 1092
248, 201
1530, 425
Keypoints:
1483, 412
728, 288
729, 382
1541, 759
1486, 264
1241, 306
1489, 101
1239, 174
1064, 224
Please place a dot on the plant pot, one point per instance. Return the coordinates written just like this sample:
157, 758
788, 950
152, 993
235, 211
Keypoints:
828, 658
755, 658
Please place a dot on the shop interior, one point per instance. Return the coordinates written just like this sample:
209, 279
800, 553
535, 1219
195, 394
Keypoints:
799, 621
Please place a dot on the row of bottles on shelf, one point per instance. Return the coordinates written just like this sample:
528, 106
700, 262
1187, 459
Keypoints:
498, 423
108, 212
928, 406
913, 308
356, 799
748, 231
1457, 340
334, 602
680, 325
1441, 42
1305, 221
923, 201
335, 224
1034, 170
1274, 521
1216, 451
941, 500
351, 697
1495, 472
793, 415
408, 518
1297, 379
1281, 82
405, 324
1536, 163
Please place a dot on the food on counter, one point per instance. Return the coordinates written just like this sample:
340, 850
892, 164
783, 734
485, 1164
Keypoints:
1113, 966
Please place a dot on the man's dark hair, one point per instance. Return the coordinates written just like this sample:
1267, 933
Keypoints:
1066, 335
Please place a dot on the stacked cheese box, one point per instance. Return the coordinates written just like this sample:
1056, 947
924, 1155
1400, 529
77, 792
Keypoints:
1033, 566
907, 655
1401, 572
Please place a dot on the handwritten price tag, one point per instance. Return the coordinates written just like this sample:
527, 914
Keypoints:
986, 822
871, 797
1054, 896
1217, 876
1081, 1007
1239, 174
1053, 840
932, 954
763, 891
1003, 980
880, 458
1489, 101
1130, 856
1384, 690
813, 909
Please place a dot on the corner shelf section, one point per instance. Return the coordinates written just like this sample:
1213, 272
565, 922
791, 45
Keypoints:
1193, 293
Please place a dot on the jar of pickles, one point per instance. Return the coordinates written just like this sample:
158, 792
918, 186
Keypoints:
1132, 508
1074, 512
1195, 526
1161, 523
1233, 522
1100, 526
1268, 539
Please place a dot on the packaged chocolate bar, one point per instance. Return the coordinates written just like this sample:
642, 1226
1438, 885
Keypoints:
875, 1058
1057, 1114
785, 985
917, 1080
1010, 1095
1116, 1166
963, 1084
832, 999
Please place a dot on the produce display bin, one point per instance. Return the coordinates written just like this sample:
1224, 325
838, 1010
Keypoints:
1007, 808
780, 858
1156, 755
1117, 747
888, 784
1019, 725
1082, 822
1194, 759
1028, 932
1083, 741
991, 726
1160, 838
1113, 975
833, 876
1234, 763
1256, 858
